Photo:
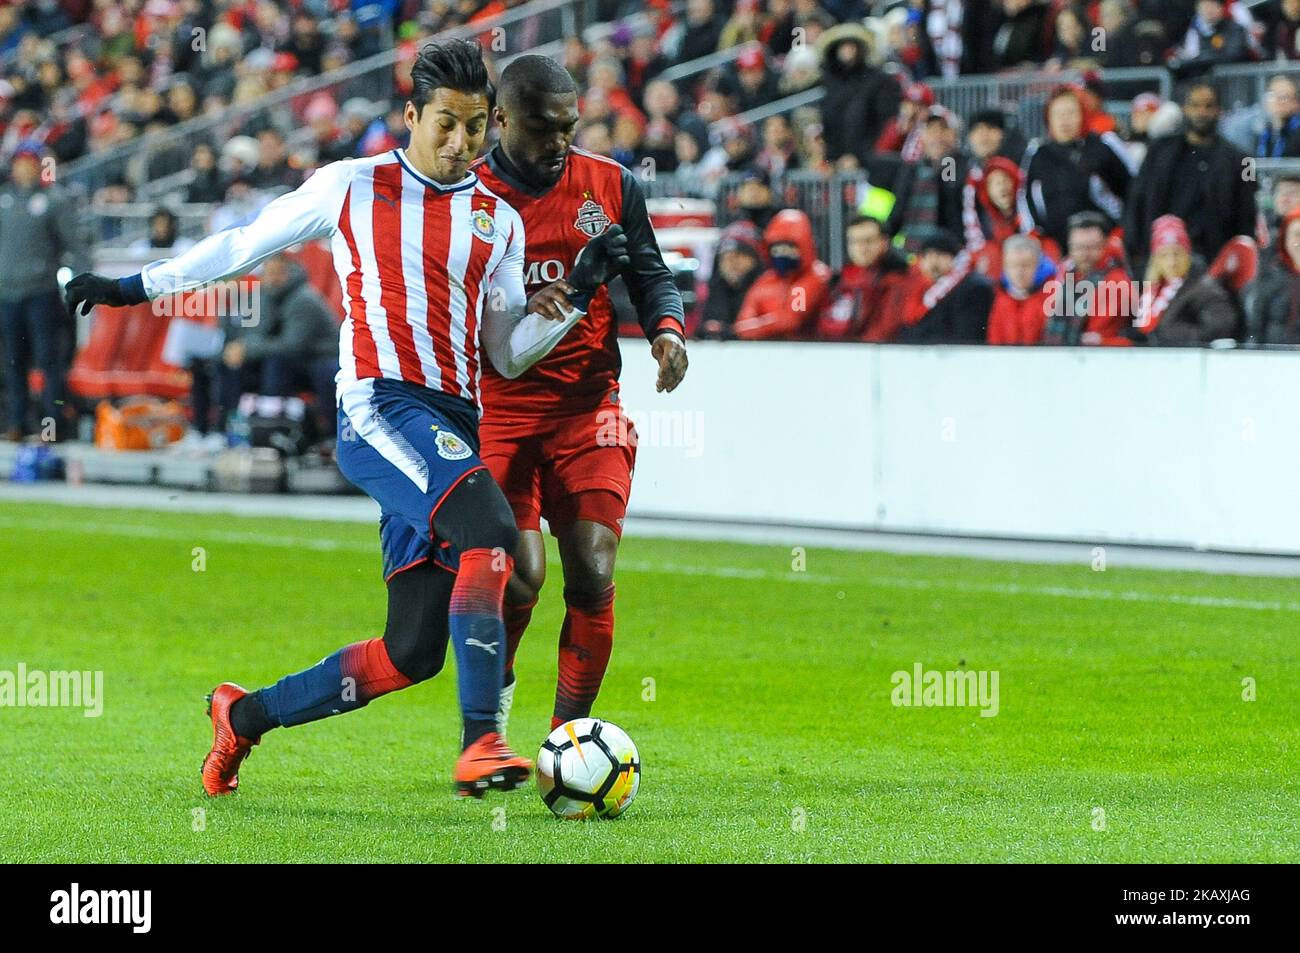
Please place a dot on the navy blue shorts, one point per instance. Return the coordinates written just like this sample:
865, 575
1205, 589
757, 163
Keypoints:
407, 447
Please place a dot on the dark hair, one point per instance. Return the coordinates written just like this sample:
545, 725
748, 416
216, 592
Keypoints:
1199, 84
533, 75
1088, 220
857, 220
989, 117
451, 64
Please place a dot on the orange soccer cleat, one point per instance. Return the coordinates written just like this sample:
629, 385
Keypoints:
221, 766
488, 765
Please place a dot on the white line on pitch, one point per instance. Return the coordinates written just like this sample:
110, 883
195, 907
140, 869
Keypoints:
652, 568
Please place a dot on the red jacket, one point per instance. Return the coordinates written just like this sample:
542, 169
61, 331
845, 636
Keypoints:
1018, 320
865, 304
786, 306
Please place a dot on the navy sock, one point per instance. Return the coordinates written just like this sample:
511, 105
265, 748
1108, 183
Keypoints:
478, 636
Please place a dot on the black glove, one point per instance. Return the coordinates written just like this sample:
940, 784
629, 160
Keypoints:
603, 258
88, 289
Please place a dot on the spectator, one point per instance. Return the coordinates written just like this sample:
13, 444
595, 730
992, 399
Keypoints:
1181, 306
1071, 170
39, 227
1280, 20
1198, 177
785, 300
700, 32
953, 303
754, 198
737, 266
801, 70
293, 345
996, 216
694, 176
1020, 39
1213, 38
272, 170
206, 185
929, 190
865, 303
902, 133
643, 61
859, 98
988, 137
1019, 311
1072, 48
1279, 135
1091, 302
1285, 198
1273, 301
779, 151
1141, 112
1128, 45
164, 235
745, 25
753, 84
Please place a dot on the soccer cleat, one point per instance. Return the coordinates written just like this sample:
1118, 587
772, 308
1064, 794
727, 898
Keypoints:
505, 702
488, 765
221, 767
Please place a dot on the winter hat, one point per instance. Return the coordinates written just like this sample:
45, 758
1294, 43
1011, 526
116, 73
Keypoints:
1169, 230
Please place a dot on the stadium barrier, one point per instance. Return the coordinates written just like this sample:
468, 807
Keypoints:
1178, 447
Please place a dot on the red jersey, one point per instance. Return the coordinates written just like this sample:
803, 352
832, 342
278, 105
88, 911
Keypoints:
593, 193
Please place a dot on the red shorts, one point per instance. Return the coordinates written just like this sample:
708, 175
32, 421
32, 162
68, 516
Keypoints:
564, 468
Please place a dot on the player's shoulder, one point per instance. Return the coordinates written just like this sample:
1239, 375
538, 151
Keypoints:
591, 165
504, 211
342, 171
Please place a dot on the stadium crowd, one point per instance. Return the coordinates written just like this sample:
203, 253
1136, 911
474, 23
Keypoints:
967, 232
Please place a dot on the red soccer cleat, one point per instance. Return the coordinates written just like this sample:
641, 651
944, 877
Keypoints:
488, 765
221, 766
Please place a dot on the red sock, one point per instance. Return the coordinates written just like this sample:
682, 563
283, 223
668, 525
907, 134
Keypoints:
585, 643
516, 619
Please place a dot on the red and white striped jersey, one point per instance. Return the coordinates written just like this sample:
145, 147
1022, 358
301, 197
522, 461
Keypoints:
415, 259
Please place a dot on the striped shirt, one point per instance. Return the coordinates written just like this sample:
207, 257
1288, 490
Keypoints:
416, 261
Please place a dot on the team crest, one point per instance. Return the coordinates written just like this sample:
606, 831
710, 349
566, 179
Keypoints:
451, 447
592, 220
484, 227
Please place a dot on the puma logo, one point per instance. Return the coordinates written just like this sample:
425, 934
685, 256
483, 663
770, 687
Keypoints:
391, 203
490, 647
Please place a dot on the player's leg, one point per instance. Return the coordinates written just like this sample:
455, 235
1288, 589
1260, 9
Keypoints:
511, 454
412, 649
587, 553
585, 490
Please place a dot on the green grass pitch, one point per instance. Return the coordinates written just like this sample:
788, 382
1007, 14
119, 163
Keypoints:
767, 733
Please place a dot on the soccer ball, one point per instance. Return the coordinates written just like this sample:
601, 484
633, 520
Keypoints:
588, 768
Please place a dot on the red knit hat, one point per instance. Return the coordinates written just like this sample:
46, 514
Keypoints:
1169, 230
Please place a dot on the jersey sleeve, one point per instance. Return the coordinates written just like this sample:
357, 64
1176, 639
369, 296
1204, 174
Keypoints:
650, 284
309, 211
513, 339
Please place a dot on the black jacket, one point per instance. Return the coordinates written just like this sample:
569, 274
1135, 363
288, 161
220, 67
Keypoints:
1273, 305
960, 317
724, 303
1231, 209
857, 104
1063, 178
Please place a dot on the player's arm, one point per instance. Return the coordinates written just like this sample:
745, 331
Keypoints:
310, 211
519, 331
652, 289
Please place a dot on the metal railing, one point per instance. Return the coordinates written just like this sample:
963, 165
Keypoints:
518, 30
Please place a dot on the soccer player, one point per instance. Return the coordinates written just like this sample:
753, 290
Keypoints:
425, 255
556, 438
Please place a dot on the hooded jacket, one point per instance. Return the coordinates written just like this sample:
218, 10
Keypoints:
786, 306
859, 99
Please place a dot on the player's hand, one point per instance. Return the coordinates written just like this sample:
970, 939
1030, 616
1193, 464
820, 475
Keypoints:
552, 301
603, 258
670, 352
88, 289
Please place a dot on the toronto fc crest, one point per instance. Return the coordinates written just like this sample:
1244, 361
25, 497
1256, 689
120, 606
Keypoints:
592, 220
